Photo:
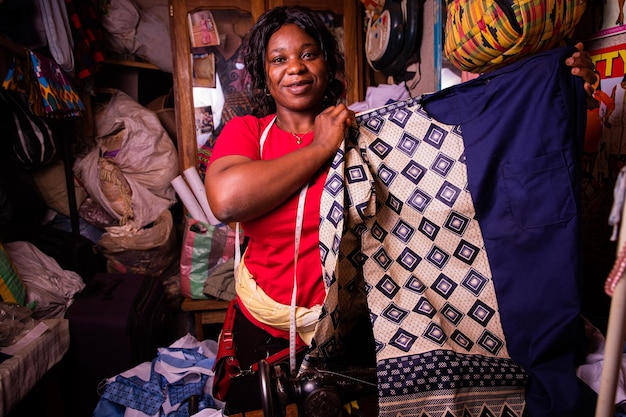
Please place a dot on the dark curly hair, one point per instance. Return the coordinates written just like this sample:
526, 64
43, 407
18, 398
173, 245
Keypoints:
255, 51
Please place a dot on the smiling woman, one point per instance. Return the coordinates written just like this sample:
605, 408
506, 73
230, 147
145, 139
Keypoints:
284, 149
296, 73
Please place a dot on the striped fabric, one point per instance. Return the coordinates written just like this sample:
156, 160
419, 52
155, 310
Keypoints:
12, 289
483, 35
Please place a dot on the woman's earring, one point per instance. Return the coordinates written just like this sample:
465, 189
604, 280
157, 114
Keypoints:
266, 91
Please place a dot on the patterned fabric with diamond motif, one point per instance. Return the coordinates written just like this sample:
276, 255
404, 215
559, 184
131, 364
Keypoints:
427, 277
460, 229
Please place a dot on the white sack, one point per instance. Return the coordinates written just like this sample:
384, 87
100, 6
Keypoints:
147, 159
48, 285
141, 32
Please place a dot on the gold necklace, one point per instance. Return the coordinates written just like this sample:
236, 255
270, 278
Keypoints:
295, 135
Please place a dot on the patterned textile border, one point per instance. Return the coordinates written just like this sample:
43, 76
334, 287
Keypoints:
485, 385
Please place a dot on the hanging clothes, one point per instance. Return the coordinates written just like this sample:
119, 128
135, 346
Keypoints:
60, 41
88, 37
456, 215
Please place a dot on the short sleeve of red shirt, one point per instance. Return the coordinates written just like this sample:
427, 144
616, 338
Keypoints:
247, 131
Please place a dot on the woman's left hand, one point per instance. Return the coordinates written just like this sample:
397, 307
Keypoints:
582, 66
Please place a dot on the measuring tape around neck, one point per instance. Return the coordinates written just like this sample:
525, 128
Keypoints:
298, 234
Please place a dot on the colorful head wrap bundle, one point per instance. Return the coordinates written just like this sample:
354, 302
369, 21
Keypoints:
482, 35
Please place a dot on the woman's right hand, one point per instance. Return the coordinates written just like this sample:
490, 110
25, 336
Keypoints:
331, 127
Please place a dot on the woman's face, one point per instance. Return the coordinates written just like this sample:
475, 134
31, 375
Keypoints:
296, 70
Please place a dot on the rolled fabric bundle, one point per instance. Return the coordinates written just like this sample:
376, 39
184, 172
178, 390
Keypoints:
188, 199
197, 187
482, 35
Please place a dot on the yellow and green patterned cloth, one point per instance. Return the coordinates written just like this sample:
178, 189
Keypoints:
482, 35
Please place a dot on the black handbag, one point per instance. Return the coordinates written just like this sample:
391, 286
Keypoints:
32, 138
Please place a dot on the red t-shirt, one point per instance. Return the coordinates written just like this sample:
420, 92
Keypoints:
270, 252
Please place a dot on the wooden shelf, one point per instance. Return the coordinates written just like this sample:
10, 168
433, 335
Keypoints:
131, 63
205, 312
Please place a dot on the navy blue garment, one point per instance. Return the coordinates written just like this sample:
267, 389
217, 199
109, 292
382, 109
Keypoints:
523, 129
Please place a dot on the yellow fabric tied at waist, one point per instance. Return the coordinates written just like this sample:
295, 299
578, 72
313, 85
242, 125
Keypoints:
263, 308
482, 35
